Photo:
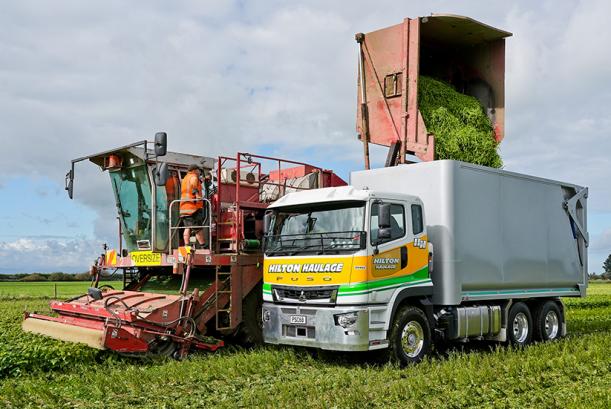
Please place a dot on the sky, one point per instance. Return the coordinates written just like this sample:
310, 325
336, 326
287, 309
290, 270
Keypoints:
273, 77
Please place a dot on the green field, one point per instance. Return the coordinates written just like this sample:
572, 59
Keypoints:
48, 289
574, 372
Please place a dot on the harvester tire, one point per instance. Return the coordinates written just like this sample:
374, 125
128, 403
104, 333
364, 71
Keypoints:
250, 332
410, 336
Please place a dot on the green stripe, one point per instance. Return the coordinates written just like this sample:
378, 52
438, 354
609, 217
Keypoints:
267, 287
367, 286
527, 291
409, 284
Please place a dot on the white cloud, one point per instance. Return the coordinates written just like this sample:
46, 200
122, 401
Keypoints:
26, 255
601, 243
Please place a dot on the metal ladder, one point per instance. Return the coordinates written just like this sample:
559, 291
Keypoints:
130, 275
223, 286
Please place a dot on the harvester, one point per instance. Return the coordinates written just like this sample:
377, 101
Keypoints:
175, 296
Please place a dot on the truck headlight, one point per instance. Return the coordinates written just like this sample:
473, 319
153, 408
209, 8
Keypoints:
347, 319
266, 315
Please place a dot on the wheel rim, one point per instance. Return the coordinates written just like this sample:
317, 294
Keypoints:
412, 339
520, 327
551, 324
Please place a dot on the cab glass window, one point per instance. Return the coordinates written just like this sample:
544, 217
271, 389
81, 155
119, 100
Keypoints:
417, 223
397, 222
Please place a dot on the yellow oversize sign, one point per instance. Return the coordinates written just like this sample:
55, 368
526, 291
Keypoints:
145, 258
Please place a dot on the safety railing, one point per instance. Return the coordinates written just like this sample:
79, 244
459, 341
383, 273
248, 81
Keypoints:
207, 225
247, 164
250, 175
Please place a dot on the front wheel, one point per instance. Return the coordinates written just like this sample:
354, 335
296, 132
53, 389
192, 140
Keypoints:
410, 336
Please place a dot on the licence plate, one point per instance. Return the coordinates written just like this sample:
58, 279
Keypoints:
297, 319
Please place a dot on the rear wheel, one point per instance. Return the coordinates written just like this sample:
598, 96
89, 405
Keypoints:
250, 332
410, 336
164, 348
548, 321
519, 325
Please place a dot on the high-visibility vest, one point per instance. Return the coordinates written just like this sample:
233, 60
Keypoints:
190, 189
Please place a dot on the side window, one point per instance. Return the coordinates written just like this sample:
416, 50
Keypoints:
397, 222
417, 223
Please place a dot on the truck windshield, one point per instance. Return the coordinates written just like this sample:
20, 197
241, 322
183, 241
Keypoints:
320, 229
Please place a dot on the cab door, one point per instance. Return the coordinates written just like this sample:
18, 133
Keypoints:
390, 256
401, 259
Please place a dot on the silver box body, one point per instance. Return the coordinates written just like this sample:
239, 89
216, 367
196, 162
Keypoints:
496, 234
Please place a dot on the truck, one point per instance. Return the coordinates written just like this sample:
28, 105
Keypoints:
415, 254
424, 251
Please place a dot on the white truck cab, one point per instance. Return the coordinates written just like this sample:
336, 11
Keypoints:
336, 260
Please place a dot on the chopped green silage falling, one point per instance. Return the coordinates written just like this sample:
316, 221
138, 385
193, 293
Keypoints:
462, 129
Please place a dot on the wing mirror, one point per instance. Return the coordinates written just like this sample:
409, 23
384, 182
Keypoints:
70, 183
161, 144
161, 174
384, 216
384, 232
267, 221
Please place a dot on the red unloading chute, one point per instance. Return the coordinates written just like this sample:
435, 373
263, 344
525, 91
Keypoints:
459, 50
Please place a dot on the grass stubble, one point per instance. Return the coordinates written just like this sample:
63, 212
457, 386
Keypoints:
572, 373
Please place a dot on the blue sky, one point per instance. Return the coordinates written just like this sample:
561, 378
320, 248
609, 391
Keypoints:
270, 77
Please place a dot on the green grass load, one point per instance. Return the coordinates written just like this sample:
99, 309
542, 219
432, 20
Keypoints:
462, 129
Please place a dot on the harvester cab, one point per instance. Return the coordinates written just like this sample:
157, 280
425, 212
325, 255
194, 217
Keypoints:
175, 296
460, 51
144, 188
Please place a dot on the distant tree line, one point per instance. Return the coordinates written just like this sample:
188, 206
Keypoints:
57, 276
606, 274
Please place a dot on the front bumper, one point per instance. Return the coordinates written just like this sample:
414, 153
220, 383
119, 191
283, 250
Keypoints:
319, 331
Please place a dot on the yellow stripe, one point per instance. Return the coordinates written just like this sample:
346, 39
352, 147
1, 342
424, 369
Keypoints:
341, 270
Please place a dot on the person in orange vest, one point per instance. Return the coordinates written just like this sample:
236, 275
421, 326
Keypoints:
191, 206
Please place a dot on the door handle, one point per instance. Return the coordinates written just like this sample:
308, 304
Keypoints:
403, 257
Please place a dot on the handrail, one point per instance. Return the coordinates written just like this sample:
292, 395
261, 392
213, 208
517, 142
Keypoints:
204, 226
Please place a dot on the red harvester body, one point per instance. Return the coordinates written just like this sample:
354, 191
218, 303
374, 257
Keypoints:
175, 296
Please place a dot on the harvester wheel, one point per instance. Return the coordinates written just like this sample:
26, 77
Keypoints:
164, 348
250, 332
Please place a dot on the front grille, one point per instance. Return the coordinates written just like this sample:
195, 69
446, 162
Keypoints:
305, 294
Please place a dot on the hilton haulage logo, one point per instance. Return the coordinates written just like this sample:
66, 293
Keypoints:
306, 268
385, 263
